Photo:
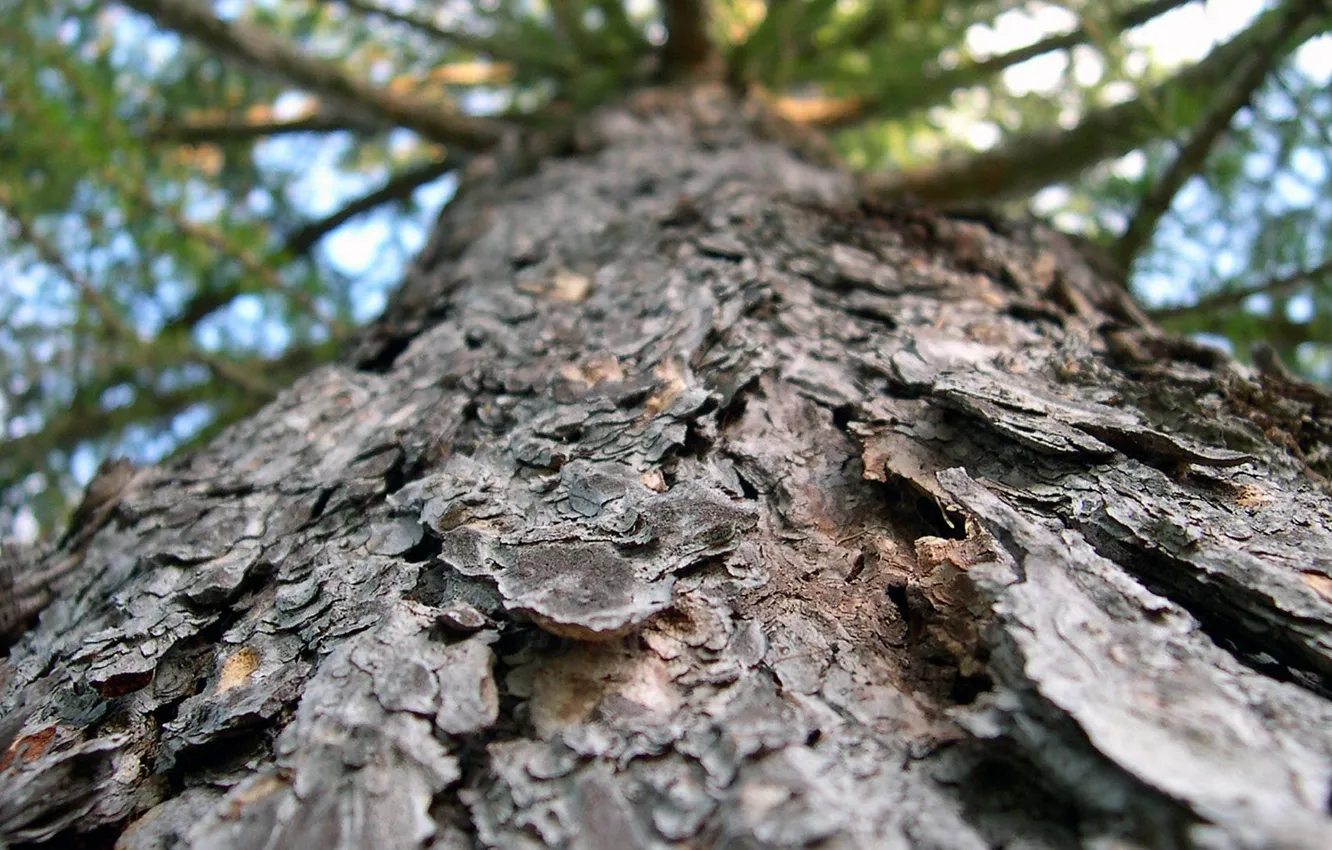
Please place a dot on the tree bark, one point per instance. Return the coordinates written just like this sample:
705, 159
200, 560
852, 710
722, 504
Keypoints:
679, 500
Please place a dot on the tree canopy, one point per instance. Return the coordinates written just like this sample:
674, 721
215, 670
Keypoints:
203, 200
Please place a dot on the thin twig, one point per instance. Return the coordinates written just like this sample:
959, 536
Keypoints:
839, 113
395, 188
1030, 161
510, 51
117, 326
111, 319
1248, 76
238, 129
218, 240
268, 51
1275, 287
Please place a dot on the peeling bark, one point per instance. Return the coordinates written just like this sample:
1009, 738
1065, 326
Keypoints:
678, 500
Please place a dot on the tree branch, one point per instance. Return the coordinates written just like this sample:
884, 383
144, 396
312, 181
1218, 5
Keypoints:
688, 51
241, 129
117, 327
1247, 77
266, 51
395, 188
105, 310
83, 421
485, 45
1031, 161
1275, 287
210, 236
86, 419
257, 268
203, 304
907, 95
256, 122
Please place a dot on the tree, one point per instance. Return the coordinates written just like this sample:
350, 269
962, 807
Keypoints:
172, 172
684, 496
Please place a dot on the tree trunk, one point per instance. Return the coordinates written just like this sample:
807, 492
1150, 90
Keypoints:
678, 500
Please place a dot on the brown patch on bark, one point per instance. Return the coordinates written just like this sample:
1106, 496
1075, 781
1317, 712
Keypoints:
28, 748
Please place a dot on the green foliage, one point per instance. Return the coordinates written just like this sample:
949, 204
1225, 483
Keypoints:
166, 204
1262, 212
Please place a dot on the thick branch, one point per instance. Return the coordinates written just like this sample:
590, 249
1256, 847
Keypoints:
1031, 161
1282, 334
688, 50
1276, 288
257, 122
202, 305
1233, 97
395, 188
269, 52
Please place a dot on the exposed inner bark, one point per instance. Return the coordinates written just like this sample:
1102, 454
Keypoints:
678, 500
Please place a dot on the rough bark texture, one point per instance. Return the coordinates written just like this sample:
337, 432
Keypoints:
680, 501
